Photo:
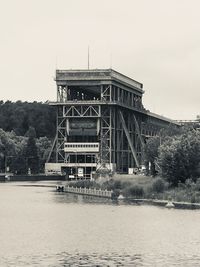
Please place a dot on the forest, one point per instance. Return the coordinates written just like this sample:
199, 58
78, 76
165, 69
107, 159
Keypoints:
19, 116
27, 131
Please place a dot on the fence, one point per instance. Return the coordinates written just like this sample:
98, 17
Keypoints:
86, 191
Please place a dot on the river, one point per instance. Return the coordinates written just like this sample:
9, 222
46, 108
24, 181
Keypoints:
40, 227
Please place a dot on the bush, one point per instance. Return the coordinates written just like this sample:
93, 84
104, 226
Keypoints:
193, 198
181, 185
112, 185
197, 186
134, 191
158, 185
116, 193
189, 183
126, 184
117, 184
85, 183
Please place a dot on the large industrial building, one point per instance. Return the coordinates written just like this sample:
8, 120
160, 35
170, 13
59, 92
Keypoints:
101, 123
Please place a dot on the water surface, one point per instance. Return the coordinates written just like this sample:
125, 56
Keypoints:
39, 227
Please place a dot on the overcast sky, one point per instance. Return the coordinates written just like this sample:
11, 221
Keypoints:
156, 42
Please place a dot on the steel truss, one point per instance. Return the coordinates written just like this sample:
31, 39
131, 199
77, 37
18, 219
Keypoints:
122, 130
81, 111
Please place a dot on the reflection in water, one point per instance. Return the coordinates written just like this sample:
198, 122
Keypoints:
82, 199
40, 227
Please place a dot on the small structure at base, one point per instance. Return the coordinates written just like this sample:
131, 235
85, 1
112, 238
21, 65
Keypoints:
169, 205
60, 188
121, 197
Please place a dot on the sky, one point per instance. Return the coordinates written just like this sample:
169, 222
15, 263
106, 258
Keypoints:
155, 42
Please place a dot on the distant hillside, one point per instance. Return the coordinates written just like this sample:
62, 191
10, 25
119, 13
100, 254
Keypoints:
19, 116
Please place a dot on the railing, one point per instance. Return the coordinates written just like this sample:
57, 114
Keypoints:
88, 191
81, 147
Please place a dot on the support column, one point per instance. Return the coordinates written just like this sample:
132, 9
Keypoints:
134, 153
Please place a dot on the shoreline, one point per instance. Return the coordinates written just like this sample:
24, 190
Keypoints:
163, 203
139, 201
31, 178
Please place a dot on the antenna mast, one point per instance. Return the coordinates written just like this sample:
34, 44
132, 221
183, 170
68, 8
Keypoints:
88, 57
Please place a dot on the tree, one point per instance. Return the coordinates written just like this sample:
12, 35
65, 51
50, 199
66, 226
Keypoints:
152, 145
151, 152
11, 149
32, 151
44, 146
22, 152
179, 157
171, 130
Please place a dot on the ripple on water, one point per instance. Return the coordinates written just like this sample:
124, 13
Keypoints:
66, 259
94, 259
39, 227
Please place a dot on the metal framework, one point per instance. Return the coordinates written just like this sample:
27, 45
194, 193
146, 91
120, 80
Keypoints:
101, 106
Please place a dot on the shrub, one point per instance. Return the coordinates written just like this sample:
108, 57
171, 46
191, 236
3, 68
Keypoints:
189, 183
193, 198
116, 193
158, 185
125, 184
85, 183
181, 185
117, 184
197, 186
112, 185
134, 191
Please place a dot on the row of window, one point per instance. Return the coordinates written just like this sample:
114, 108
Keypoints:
81, 145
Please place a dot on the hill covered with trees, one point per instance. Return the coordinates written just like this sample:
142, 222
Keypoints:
19, 116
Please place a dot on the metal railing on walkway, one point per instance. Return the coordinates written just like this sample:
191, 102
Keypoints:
88, 191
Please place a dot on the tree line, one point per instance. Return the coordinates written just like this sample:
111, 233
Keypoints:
27, 131
26, 135
19, 116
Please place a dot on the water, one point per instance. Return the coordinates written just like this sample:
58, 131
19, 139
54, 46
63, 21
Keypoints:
39, 227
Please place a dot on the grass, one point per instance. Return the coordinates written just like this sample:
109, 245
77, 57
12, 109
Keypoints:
139, 186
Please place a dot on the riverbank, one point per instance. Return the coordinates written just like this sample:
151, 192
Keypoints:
100, 193
146, 187
124, 200
31, 178
165, 203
